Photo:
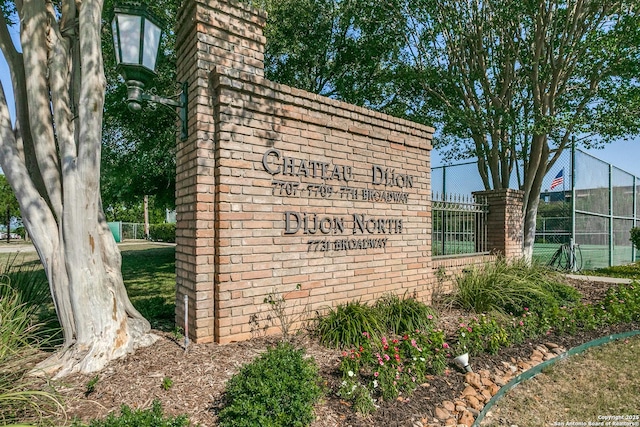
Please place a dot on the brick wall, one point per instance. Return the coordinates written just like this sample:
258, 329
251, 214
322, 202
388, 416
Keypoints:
265, 165
283, 191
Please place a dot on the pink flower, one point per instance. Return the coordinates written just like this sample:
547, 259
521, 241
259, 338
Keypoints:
445, 345
521, 323
375, 374
386, 357
397, 357
526, 309
429, 317
413, 343
365, 334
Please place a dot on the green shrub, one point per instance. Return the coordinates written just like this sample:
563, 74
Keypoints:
407, 314
343, 327
152, 417
277, 389
163, 232
482, 335
635, 237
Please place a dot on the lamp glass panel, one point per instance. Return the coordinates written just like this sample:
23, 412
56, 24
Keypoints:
116, 44
151, 41
130, 27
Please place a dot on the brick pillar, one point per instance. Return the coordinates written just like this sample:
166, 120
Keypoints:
225, 37
505, 221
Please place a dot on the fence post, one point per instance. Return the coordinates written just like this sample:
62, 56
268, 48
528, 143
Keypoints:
504, 221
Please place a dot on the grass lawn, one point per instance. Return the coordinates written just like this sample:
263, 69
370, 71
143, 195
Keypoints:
150, 278
601, 382
149, 275
630, 271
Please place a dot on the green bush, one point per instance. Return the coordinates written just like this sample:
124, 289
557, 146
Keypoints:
401, 315
635, 237
152, 417
163, 232
278, 389
343, 327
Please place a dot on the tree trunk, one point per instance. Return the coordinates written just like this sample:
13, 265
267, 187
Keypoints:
55, 174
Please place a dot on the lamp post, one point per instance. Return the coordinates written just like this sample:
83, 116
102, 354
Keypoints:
136, 39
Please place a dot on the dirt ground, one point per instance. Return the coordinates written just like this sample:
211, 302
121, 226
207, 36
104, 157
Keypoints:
199, 374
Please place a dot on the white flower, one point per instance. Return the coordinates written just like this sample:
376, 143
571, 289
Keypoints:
375, 383
422, 359
350, 373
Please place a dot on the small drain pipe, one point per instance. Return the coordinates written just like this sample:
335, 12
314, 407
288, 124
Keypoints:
544, 365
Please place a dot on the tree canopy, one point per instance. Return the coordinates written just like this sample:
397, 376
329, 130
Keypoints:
512, 83
508, 83
8, 199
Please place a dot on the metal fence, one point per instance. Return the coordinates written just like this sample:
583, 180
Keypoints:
132, 231
127, 231
584, 201
459, 225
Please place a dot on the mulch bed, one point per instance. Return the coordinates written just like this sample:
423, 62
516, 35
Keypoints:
199, 375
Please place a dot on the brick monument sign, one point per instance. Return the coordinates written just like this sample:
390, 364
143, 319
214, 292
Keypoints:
277, 187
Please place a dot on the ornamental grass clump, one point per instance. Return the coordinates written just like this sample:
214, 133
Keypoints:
21, 399
342, 326
399, 315
278, 389
506, 287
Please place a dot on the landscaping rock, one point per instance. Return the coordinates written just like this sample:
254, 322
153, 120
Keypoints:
474, 402
468, 391
442, 414
473, 379
466, 419
499, 380
449, 406
494, 389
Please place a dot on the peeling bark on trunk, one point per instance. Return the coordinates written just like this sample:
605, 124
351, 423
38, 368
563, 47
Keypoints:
55, 173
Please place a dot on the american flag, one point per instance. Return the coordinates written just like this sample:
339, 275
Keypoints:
558, 180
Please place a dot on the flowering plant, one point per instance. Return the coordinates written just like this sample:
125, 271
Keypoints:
395, 365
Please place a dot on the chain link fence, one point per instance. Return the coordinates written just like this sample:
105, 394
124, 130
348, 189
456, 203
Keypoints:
127, 231
587, 207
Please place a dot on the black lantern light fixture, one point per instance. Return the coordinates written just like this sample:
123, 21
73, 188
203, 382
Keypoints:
136, 39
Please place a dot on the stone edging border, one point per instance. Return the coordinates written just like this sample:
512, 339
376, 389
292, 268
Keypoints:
539, 368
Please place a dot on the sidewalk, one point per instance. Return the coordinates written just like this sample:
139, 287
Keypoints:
602, 279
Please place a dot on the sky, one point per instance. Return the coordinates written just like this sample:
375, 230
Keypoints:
624, 155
